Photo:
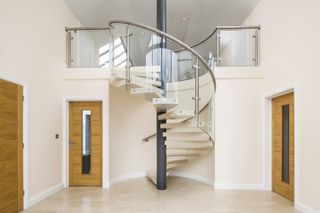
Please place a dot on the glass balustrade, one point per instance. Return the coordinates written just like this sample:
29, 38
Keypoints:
206, 97
208, 50
226, 46
88, 48
186, 83
237, 47
161, 68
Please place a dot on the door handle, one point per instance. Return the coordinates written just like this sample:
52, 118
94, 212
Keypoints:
70, 142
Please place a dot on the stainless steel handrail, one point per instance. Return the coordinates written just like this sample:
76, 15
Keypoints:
160, 33
85, 28
146, 139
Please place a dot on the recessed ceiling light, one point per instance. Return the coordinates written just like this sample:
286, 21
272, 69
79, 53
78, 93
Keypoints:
184, 18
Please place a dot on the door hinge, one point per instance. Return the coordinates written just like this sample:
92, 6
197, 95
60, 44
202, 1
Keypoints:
22, 145
22, 98
22, 192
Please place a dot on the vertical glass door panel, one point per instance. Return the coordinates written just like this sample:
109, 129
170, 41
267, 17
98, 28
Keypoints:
285, 143
86, 141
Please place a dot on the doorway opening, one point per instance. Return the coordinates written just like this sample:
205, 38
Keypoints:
85, 144
283, 158
11, 147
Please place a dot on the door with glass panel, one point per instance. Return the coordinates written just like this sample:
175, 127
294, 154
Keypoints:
283, 146
85, 144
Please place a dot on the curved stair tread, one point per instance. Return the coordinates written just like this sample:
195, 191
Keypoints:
174, 165
183, 124
144, 81
187, 137
185, 130
177, 113
190, 146
164, 104
196, 134
138, 71
152, 91
173, 159
183, 152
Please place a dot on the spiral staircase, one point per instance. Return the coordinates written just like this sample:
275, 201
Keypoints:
182, 94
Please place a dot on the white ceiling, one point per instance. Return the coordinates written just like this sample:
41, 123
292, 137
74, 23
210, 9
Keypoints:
201, 16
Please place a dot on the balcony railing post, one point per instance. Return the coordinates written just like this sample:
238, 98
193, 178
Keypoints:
128, 54
111, 53
196, 91
256, 47
218, 48
68, 48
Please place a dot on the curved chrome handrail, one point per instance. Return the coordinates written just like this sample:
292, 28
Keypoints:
169, 37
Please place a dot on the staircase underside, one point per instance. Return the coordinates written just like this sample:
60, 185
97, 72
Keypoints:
185, 141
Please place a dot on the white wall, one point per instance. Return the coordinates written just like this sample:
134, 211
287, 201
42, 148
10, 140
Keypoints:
130, 119
290, 56
32, 50
238, 125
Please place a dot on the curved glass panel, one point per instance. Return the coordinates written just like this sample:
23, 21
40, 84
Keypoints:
186, 81
208, 50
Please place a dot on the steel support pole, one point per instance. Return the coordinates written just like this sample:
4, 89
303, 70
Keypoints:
161, 147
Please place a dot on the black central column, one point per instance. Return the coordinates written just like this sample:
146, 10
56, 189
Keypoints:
161, 147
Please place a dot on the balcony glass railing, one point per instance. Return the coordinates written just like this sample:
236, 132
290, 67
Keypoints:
230, 46
226, 46
89, 47
237, 47
187, 83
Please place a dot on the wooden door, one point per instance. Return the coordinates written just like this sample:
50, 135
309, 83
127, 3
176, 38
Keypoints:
85, 144
283, 146
11, 163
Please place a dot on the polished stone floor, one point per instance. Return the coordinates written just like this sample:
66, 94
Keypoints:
182, 196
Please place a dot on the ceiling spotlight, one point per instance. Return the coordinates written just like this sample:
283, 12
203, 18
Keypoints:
184, 18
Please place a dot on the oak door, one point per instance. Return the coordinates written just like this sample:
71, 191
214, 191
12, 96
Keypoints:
283, 146
11, 145
85, 144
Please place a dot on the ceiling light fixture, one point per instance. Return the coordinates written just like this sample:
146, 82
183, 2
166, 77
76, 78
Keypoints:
184, 18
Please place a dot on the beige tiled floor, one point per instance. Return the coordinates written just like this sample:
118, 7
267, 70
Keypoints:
182, 196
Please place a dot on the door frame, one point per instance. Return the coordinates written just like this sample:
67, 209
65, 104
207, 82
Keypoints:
25, 136
267, 138
105, 137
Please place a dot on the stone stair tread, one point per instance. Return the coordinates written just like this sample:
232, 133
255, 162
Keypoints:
177, 159
187, 137
177, 113
182, 152
190, 145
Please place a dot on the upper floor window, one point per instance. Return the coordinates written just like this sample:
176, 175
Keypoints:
120, 55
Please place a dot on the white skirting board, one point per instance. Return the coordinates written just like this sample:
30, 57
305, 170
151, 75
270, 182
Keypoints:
43, 195
173, 174
193, 177
240, 186
304, 208
127, 177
